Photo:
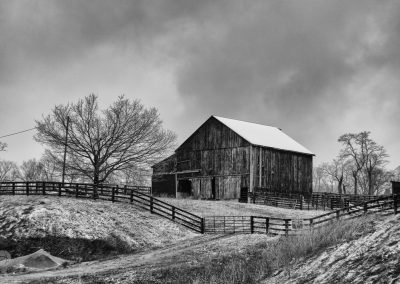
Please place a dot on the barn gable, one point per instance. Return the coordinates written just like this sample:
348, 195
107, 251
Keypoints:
213, 134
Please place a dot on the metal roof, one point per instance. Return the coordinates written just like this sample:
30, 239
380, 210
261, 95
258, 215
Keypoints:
262, 135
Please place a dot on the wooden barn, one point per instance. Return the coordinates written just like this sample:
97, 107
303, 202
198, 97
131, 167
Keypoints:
224, 155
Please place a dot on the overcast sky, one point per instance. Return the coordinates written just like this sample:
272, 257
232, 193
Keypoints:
316, 69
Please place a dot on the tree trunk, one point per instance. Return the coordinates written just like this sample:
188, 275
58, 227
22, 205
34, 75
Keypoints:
355, 182
96, 176
370, 185
340, 184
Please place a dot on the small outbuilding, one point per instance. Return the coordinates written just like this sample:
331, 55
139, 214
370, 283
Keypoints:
224, 155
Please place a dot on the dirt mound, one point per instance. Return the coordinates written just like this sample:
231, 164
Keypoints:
35, 261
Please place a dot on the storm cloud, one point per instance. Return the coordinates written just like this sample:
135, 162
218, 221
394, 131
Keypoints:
317, 69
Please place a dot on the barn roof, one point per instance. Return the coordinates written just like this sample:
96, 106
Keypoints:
262, 135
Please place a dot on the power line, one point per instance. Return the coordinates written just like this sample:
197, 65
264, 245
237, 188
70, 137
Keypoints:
18, 132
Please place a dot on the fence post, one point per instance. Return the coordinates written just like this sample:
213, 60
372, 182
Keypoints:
113, 194
266, 225
301, 202
338, 214
287, 227
173, 212
59, 189
125, 189
311, 223
27, 188
76, 190
131, 197
151, 204
202, 225
252, 224
13, 188
43, 188
254, 196
395, 203
365, 208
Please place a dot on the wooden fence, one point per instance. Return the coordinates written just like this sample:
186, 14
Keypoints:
127, 194
212, 224
281, 226
313, 201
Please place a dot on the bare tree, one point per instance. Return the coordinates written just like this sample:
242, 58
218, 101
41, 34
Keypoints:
365, 160
353, 150
101, 143
2, 146
337, 170
396, 174
31, 170
375, 160
8, 171
318, 174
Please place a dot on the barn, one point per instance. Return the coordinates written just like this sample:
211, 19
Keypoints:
226, 155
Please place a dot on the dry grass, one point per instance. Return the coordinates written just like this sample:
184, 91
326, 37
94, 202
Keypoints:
233, 207
259, 261
81, 229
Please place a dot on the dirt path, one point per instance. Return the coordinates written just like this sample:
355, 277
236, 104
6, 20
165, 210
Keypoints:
162, 256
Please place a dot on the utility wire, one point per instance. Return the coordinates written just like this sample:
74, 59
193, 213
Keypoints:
18, 132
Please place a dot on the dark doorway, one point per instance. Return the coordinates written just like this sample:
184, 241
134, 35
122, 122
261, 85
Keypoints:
395, 187
213, 191
185, 187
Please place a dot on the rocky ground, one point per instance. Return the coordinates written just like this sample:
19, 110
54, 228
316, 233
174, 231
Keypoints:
373, 258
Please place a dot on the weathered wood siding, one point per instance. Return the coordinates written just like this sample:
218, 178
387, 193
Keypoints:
165, 166
162, 181
219, 153
281, 170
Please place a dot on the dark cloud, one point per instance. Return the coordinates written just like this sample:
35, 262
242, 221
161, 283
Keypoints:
294, 64
291, 63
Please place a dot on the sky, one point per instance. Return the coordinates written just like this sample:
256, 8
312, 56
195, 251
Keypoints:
315, 69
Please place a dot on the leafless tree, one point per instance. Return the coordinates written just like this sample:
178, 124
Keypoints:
102, 142
31, 170
318, 173
365, 160
2, 146
396, 174
337, 170
353, 150
8, 171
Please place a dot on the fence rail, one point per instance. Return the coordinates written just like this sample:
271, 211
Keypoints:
281, 226
312, 201
212, 224
113, 193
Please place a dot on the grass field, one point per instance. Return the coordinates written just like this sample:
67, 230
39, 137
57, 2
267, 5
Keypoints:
233, 207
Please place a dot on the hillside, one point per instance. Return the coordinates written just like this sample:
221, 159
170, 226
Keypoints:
373, 258
362, 250
80, 229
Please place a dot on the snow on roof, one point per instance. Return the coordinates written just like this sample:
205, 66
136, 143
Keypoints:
263, 135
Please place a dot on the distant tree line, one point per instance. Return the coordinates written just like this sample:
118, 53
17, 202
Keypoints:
359, 168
